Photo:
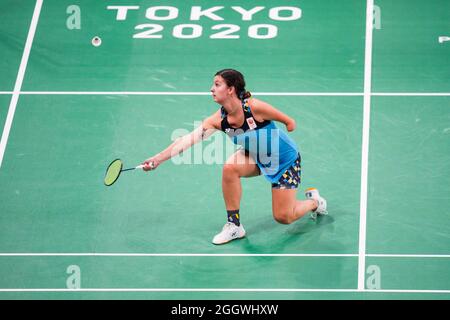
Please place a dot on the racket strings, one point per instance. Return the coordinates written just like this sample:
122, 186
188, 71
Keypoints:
113, 172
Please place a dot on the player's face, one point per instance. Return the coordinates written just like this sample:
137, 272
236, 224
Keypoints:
220, 91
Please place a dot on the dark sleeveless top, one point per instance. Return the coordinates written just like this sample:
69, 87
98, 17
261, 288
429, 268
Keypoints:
249, 121
272, 149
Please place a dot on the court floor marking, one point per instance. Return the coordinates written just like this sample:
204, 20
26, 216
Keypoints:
222, 290
365, 146
175, 93
276, 94
379, 255
411, 94
175, 255
19, 79
305, 255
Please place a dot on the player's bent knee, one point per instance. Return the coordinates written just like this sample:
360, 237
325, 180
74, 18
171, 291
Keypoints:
229, 170
282, 217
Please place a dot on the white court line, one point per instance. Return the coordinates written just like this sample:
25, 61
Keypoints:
306, 255
408, 255
173, 93
365, 146
174, 255
220, 290
411, 94
281, 94
19, 79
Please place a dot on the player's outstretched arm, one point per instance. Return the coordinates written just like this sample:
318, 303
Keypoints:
202, 132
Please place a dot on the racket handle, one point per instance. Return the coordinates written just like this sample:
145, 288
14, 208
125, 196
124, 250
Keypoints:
141, 166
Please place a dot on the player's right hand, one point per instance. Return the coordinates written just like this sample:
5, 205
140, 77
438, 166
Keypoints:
150, 164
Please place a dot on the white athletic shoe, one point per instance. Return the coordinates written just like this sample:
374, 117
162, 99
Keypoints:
229, 232
313, 193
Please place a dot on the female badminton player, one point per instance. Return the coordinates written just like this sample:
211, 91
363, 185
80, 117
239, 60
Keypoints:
264, 149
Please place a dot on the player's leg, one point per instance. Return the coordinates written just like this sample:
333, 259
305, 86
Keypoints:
285, 206
239, 165
287, 209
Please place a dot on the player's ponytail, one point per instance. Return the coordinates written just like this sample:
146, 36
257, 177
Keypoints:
245, 95
235, 79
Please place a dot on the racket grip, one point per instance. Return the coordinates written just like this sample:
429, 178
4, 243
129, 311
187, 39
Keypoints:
141, 166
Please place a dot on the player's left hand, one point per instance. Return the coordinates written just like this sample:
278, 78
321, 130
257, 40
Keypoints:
290, 126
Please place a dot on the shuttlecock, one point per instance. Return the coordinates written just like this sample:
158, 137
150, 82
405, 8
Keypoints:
443, 38
96, 41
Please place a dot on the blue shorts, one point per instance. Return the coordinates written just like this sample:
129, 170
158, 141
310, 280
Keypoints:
291, 178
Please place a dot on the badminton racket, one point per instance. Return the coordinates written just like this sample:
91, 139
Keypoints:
114, 170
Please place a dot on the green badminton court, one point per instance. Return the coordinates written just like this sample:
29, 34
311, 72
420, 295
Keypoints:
367, 83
